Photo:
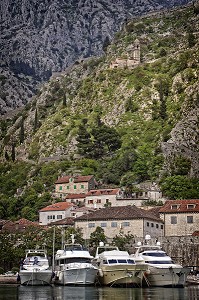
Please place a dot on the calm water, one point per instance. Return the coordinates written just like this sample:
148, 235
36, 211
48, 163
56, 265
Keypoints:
95, 293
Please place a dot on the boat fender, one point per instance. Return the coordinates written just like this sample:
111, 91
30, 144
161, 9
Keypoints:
100, 273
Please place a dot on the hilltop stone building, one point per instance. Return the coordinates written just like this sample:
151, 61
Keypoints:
132, 58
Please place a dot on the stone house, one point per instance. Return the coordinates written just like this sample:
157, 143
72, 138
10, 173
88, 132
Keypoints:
102, 197
76, 198
74, 185
128, 219
132, 58
20, 225
55, 212
181, 217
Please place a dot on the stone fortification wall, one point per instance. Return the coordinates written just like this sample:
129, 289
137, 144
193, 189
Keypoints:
183, 250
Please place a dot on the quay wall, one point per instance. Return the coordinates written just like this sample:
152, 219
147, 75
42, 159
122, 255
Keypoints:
182, 249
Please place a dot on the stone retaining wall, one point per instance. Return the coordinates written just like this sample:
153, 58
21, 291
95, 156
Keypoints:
183, 250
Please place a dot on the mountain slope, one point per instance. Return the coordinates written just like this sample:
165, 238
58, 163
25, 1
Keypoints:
122, 124
153, 105
38, 39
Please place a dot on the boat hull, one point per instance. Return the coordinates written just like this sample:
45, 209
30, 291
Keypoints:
122, 275
167, 277
76, 276
35, 277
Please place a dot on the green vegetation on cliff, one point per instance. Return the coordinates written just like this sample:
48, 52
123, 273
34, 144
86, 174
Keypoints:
124, 125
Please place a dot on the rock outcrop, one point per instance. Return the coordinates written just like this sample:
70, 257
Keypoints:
39, 38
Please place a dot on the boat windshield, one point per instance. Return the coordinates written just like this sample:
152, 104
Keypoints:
74, 247
156, 254
75, 260
159, 262
119, 261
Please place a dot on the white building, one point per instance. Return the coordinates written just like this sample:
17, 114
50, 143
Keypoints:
55, 212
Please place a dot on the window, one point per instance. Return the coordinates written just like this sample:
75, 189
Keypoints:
59, 217
152, 225
161, 226
190, 206
147, 224
125, 224
90, 225
103, 224
157, 226
67, 187
60, 188
82, 186
75, 187
98, 200
90, 201
53, 217
174, 206
189, 219
173, 220
113, 224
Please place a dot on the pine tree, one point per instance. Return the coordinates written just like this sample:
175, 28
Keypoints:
21, 136
64, 99
7, 156
13, 152
36, 120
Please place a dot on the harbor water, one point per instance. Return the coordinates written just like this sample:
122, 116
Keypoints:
12, 292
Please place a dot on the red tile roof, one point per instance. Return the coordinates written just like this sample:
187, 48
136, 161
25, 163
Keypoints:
20, 225
57, 206
75, 196
101, 192
195, 233
79, 178
182, 206
119, 213
65, 221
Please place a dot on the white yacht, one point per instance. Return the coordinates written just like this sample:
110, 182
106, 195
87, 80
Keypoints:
35, 269
73, 266
162, 270
117, 268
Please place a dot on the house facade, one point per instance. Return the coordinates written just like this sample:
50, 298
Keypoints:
76, 198
101, 198
181, 217
74, 185
55, 212
128, 219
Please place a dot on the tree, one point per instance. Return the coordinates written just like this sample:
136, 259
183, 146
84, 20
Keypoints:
13, 152
191, 39
85, 145
21, 134
97, 141
96, 237
122, 240
7, 156
180, 187
64, 100
106, 43
36, 120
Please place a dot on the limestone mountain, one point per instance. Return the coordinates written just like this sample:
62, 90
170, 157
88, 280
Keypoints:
128, 116
40, 38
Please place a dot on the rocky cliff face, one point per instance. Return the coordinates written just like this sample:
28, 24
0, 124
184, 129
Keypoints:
39, 38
